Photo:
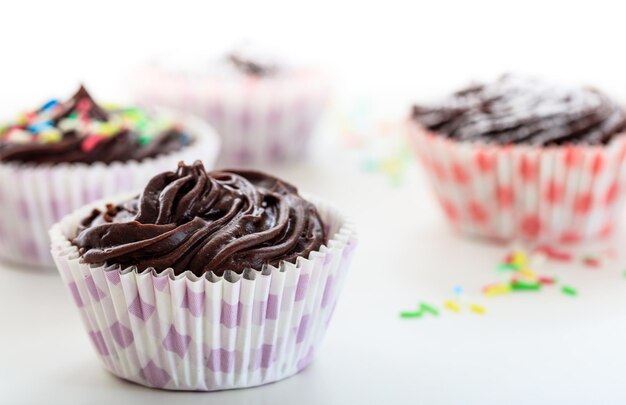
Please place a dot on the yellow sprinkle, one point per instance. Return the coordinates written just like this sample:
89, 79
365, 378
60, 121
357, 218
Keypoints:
497, 289
528, 274
520, 259
452, 306
21, 119
108, 129
391, 166
111, 106
479, 309
50, 135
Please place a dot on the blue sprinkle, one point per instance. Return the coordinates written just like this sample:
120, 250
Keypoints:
41, 126
49, 105
458, 290
184, 139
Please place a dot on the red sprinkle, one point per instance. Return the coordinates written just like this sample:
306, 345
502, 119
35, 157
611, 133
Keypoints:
91, 142
31, 116
554, 254
591, 262
83, 106
545, 280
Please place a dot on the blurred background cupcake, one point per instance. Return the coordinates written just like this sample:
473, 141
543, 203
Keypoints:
62, 155
264, 108
519, 158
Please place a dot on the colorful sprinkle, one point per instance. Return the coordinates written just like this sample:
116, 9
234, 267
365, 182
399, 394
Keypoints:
91, 142
523, 286
519, 259
40, 127
507, 267
479, 309
546, 280
496, 289
554, 254
452, 306
49, 104
50, 135
414, 314
591, 261
528, 274
425, 308
569, 290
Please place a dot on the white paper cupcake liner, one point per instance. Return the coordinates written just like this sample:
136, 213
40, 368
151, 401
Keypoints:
260, 120
563, 194
207, 333
34, 197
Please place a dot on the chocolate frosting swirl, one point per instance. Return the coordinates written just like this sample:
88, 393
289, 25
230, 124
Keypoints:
80, 142
204, 222
514, 110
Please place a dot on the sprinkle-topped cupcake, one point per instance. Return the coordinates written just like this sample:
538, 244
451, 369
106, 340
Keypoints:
207, 280
64, 155
521, 158
79, 130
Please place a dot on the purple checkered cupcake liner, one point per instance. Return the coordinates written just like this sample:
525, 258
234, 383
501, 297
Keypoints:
34, 197
260, 120
207, 333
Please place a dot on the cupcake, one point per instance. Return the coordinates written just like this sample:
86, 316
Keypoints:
265, 111
521, 159
205, 281
64, 155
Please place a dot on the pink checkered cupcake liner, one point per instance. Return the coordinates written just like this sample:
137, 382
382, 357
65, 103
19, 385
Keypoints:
564, 194
207, 333
260, 120
34, 197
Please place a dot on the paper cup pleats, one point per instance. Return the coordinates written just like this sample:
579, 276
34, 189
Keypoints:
34, 197
260, 120
561, 194
207, 333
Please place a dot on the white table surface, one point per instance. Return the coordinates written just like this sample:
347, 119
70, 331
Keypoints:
528, 348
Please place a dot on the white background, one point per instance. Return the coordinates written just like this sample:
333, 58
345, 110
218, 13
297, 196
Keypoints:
544, 348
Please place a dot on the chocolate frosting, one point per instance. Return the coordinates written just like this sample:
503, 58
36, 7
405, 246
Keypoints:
514, 110
249, 66
204, 222
80, 144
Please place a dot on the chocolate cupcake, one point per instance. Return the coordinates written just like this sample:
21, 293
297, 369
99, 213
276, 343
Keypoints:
65, 154
205, 281
264, 110
522, 159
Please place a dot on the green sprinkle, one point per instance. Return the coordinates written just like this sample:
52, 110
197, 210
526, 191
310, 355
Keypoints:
396, 181
369, 165
507, 267
415, 314
144, 140
522, 286
73, 115
427, 308
569, 290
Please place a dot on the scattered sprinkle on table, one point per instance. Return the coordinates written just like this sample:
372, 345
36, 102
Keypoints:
569, 291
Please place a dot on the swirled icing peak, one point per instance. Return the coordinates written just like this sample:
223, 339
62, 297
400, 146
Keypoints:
81, 131
204, 222
516, 110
